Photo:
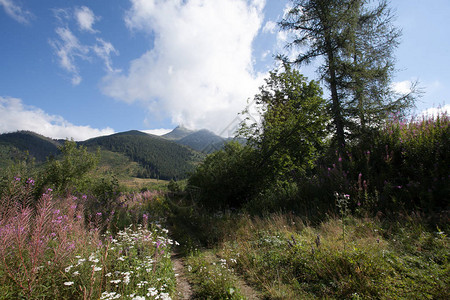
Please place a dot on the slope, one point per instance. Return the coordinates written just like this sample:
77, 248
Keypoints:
203, 140
38, 146
178, 133
159, 157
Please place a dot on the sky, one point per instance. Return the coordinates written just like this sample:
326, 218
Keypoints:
81, 69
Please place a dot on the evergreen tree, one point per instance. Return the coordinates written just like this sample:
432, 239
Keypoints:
356, 38
366, 66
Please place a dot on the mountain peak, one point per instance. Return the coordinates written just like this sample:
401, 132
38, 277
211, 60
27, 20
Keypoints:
178, 133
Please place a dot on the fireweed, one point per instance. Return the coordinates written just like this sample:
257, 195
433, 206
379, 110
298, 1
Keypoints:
49, 250
36, 241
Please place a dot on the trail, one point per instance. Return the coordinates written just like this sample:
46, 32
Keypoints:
184, 290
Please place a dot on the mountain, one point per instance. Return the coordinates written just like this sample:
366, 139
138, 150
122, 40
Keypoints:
159, 157
178, 133
38, 146
203, 140
131, 153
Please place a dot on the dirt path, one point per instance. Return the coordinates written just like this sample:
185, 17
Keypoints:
184, 291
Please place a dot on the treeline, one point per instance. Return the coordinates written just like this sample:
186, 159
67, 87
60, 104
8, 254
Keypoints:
355, 150
291, 163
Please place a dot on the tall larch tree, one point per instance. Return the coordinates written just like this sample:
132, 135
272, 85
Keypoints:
356, 40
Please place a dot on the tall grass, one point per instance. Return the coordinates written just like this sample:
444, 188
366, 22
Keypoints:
286, 259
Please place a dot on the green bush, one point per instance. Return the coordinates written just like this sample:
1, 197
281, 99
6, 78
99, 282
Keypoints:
71, 172
404, 167
227, 178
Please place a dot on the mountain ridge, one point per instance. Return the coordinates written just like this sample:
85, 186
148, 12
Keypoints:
170, 156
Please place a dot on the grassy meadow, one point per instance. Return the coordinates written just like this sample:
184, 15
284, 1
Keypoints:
373, 225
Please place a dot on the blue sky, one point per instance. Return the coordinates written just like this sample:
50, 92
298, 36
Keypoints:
79, 69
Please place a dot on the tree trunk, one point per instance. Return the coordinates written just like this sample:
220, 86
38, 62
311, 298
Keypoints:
336, 105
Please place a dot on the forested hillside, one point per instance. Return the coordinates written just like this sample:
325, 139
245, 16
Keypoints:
38, 146
159, 157
132, 153
203, 140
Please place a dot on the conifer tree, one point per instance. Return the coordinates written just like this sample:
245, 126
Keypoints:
356, 39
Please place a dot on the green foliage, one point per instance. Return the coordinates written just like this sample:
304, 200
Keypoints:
404, 167
285, 145
356, 39
226, 178
7, 154
284, 259
70, 172
291, 135
212, 278
103, 194
17, 179
278, 196
412, 165
174, 186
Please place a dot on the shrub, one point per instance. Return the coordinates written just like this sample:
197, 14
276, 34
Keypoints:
403, 168
281, 257
212, 278
227, 178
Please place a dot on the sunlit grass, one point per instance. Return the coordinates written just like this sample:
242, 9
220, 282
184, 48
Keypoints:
211, 277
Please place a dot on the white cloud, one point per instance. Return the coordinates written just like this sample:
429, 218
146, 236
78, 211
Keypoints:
200, 69
14, 115
16, 12
402, 87
435, 111
85, 18
265, 54
68, 47
160, 131
104, 50
269, 27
